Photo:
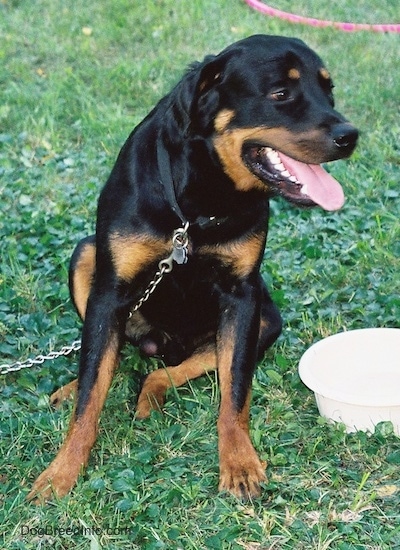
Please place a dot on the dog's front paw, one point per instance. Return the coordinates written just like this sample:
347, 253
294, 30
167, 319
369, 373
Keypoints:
241, 471
56, 481
242, 479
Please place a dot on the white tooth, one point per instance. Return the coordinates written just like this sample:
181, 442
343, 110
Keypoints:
294, 179
273, 157
304, 190
268, 149
279, 167
286, 174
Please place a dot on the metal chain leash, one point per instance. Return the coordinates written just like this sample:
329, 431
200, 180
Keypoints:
165, 266
28, 363
179, 255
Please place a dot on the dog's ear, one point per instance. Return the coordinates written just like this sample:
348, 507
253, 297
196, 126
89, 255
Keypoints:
206, 101
209, 75
194, 102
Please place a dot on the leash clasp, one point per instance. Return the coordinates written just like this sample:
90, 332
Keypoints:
180, 244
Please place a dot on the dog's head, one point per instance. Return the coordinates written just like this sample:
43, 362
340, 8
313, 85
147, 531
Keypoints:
266, 105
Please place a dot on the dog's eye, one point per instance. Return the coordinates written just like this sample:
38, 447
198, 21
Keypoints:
280, 95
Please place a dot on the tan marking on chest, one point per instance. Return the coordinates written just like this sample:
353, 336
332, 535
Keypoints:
242, 256
131, 254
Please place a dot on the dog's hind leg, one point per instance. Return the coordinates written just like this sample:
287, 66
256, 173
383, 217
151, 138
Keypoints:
152, 395
81, 274
62, 394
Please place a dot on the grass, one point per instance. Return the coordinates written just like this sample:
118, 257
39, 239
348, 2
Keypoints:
74, 79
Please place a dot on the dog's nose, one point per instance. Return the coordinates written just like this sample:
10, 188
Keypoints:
344, 136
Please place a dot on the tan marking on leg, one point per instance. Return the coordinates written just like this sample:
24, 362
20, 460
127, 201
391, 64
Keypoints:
130, 253
152, 396
83, 277
63, 393
63, 472
242, 255
241, 471
264, 324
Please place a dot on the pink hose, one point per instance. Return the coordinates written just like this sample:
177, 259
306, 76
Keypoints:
348, 27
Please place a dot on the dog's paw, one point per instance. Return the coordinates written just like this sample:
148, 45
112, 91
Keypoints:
241, 471
242, 478
56, 481
64, 393
148, 402
152, 394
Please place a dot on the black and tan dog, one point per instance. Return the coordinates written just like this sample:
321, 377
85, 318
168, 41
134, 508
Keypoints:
194, 180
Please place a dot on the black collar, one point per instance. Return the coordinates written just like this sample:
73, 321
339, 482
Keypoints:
167, 182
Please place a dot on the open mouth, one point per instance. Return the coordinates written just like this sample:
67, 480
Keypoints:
298, 182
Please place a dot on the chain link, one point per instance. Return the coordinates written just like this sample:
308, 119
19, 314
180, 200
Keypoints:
28, 363
165, 266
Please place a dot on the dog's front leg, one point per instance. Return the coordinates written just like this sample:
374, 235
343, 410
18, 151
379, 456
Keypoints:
241, 471
99, 357
103, 331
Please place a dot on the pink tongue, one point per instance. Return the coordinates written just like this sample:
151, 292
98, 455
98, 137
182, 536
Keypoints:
320, 186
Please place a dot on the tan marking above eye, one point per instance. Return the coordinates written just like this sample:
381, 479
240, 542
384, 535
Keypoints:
294, 74
324, 73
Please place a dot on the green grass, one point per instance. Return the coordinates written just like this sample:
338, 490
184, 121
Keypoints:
68, 99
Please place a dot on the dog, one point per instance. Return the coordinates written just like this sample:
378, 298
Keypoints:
174, 266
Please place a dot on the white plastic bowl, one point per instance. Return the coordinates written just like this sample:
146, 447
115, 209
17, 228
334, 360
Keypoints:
355, 376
